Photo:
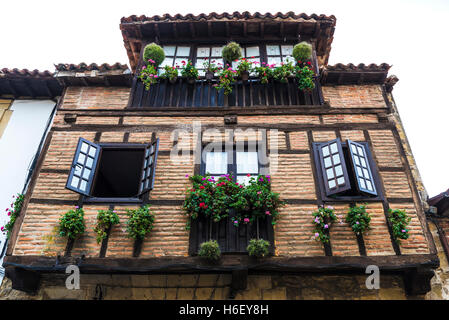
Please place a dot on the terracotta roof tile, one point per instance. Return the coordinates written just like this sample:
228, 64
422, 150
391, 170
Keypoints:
360, 67
93, 66
25, 73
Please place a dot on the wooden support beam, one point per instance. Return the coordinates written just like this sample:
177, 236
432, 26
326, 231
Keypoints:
13, 90
192, 29
48, 89
228, 32
209, 29
30, 89
156, 30
175, 30
281, 29
245, 28
262, 29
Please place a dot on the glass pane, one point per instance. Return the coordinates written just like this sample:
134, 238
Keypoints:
341, 181
359, 171
255, 60
362, 183
332, 184
287, 50
356, 160
202, 52
75, 182
166, 62
247, 162
360, 150
86, 173
78, 169
338, 171
150, 161
83, 185
274, 60
336, 158
288, 59
216, 51
178, 62
217, 61
169, 50
244, 179
354, 149
252, 52
235, 64
183, 52
89, 162
81, 158
330, 173
92, 151
369, 186
148, 172
273, 50
365, 173
327, 162
217, 162
325, 151
199, 64
363, 162
84, 147
334, 148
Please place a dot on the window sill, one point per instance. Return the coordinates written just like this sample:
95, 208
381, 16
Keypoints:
112, 200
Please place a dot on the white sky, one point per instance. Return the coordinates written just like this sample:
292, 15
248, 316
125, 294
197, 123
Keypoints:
410, 35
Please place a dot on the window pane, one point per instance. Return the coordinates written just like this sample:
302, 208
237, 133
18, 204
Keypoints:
362, 183
327, 162
78, 169
166, 62
360, 151
89, 162
334, 148
354, 149
83, 185
81, 158
178, 61
363, 162
92, 151
244, 179
338, 171
169, 50
273, 50
325, 151
287, 50
84, 147
216, 162
359, 171
356, 160
332, 184
252, 51
330, 173
247, 162
365, 173
369, 186
336, 159
86, 173
202, 52
183, 52
341, 181
288, 59
274, 60
216, 51
75, 182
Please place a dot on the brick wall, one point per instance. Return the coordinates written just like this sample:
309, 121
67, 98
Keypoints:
354, 96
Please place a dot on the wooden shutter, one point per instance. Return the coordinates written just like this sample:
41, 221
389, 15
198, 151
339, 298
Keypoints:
83, 167
361, 167
149, 167
333, 167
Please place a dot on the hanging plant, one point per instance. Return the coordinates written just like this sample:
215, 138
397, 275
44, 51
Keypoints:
153, 56
210, 250
71, 224
399, 222
148, 75
13, 213
189, 71
140, 222
231, 52
154, 53
105, 220
358, 219
323, 218
305, 76
302, 51
258, 248
226, 78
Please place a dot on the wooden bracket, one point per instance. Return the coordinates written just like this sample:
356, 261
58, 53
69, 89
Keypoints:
24, 280
417, 281
239, 281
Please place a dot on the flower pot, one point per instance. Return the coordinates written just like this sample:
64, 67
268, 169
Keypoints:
209, 76
173, 80
245, 76
191, 80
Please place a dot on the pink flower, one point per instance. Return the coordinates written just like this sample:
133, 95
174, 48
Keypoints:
259, 192
326, 226
187, 175
155, 75
236, 222
9, 213
404, 230
77, 207
2, 228
246, 220
240, 186
268, 213
317, 234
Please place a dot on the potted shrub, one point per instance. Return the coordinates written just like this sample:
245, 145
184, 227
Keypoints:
258, 248
189, 71
211, 68
210, 250
399, 221
105, 220
170, 73
358, 219
71, 225
231, 52
153, 56
226, 78
264, 72
140, 223
155, 53
283, 72
323, 219
244, 68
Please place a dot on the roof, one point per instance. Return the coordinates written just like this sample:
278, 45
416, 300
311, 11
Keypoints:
26, 83
356, 74
93, 66
241, 27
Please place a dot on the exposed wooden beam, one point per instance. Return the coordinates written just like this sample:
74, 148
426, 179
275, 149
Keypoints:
48, 89
228, 32
281, 29
13, 90
30, 89
156, 31
192, 29
209, 28
245, 27
175, 30
262, 29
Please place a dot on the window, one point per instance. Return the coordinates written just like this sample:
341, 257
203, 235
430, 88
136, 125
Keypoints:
174, 55
113, 171
346, 171
251, 53
208, 54
279, 53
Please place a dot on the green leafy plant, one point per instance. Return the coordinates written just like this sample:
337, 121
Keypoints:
284, 71
231, 51
13, 213
140, 222
264, 72
258, 248
71, 224
210, 250
105, 220
148, 75
358, 219
188, 70
399, 222
170, 73
305, 75
302, 51
226, 78
153, 53
210, 66
244, 66
323, 218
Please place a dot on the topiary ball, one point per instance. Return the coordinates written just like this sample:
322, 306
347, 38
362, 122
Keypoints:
231, 51
302, 51
154, 52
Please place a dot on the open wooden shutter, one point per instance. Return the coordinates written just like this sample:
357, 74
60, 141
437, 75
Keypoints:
83, 167
361, 166
149, 167
333, 167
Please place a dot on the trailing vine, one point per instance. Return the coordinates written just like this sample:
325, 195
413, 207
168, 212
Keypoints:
358, 219
71, 224
13, 213
399, 222
323, 218
105, 220
140, 222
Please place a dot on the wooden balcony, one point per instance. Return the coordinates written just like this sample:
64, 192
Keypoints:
203, 94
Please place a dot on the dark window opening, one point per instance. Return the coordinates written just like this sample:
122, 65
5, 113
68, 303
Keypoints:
118, 173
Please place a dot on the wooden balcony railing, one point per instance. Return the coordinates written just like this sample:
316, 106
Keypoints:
203, 94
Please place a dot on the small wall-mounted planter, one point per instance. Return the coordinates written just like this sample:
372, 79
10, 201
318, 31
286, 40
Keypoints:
137, 248
209, 76
244, 76
191, 80
173, 80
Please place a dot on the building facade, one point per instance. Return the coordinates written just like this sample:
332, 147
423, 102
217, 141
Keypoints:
350, 117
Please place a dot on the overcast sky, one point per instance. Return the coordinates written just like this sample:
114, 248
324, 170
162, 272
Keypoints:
410, 35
